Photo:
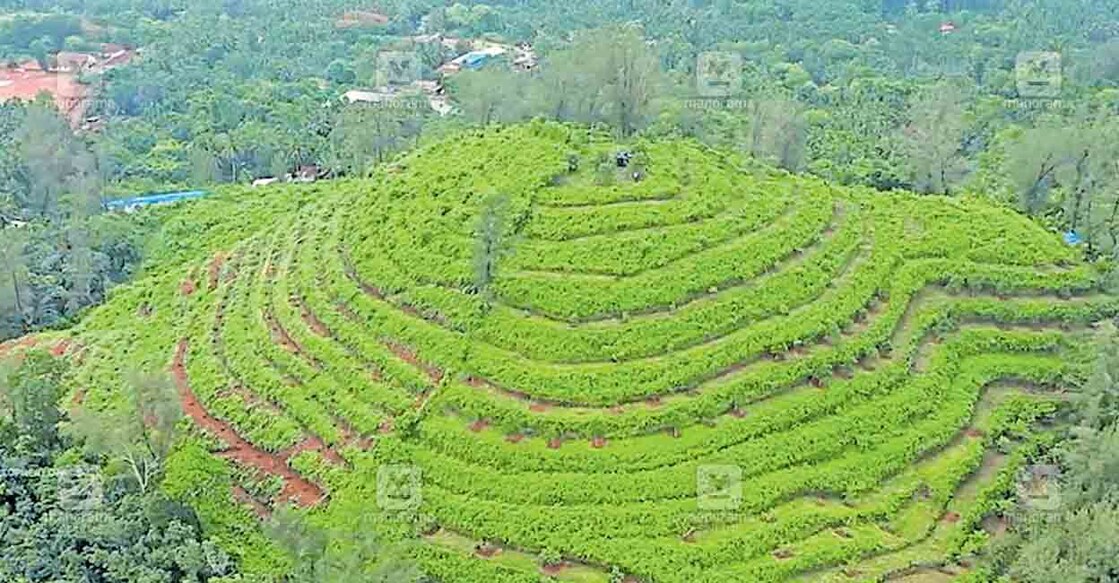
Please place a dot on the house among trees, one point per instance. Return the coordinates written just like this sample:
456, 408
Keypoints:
308, 173
377, 96
114, 55
525, 59
8, 222
476, 59
68, 62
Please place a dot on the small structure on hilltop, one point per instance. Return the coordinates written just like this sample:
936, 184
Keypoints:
948, 28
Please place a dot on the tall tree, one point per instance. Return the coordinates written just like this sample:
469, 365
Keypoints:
45, 145
139, 436
932, 139
15, 289
29, 395
778, 132
489, 242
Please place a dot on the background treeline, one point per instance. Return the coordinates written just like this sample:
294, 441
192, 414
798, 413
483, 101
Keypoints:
857, 91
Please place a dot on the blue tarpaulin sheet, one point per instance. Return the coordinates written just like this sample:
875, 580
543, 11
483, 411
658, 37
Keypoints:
151, 199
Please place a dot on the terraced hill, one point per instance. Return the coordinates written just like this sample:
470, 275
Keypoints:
512, 354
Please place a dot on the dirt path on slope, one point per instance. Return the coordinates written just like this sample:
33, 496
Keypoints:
296, 488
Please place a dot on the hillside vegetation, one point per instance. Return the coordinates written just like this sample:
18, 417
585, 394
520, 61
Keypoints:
510, 356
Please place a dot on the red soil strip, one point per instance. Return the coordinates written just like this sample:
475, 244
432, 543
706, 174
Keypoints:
487, 550
481, 383
974, 433
296, 488
352, 437
422, 399
598, 442
386, 426
216, 266
479, 425
555, 443
280, 335
738, 413
951, 518
347, 313
514, 438
408, 355
313, 443
538, 408
186, 288
59, 350
312, 321
79, 397
553, 570
242, 496
617, 410
380, 295
24, 83
21, 343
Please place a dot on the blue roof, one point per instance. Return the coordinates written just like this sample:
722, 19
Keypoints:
148, 200
475, 59
1072, 238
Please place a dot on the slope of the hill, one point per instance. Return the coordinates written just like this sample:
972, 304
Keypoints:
510, 353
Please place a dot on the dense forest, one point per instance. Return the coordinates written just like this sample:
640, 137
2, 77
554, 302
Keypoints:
1010, 101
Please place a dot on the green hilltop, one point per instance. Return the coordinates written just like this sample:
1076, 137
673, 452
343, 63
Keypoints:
521, 361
